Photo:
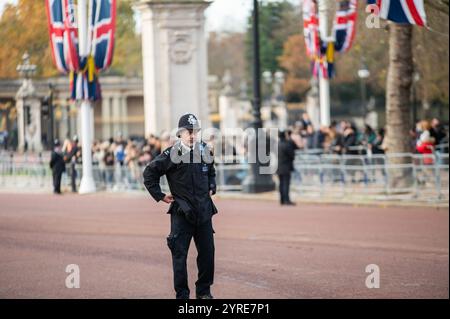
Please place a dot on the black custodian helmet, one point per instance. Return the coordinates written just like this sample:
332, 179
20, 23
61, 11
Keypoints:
189, 122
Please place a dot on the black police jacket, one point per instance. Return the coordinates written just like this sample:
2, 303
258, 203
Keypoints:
286, 156
57, 163
191, 176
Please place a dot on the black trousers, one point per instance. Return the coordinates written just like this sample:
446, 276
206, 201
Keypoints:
179, 241
285, 184
57, 181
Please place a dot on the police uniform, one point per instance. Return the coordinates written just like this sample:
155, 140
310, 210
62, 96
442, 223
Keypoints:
191, 176
286, 157
58, 166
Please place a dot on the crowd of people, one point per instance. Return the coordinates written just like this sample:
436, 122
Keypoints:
339, 138
345, 138
122, 160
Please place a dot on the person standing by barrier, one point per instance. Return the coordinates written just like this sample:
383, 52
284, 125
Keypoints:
286, 156
437, 131
58, 166
425, 143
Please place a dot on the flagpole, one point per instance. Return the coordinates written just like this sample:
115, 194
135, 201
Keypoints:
324, 83
87, 180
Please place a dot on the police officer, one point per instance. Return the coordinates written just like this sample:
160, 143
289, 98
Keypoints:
58, 166
286, 156
189, 168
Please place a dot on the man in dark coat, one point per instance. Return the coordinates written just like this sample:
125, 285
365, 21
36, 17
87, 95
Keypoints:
189, 169
58, 166
286, 156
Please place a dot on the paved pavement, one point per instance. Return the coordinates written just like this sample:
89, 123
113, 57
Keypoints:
262, 250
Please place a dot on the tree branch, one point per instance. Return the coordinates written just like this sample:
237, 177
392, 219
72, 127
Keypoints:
440, 5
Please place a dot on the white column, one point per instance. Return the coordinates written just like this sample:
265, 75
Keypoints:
93, 105
174, 62
87, 181
116, 115
228, 116
324, 82
106, 118
87, 184
124, 115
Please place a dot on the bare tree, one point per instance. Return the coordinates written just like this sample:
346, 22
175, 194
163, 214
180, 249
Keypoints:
398, 90
398, 95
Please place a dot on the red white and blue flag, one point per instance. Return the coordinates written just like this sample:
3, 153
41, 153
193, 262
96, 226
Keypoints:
63, 30
102, 30
345, 25
311, 28
57, 32
401, 11
74, 61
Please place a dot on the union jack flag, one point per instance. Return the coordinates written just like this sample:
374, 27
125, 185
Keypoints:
311, 28
345, 25
401, 11
74, 61
57, 32
101, 30
63, 30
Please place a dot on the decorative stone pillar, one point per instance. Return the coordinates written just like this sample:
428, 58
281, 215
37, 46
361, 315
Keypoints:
174, 61
29, 123
28, 110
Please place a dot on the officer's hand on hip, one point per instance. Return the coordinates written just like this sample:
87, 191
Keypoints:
168, 199
211, 193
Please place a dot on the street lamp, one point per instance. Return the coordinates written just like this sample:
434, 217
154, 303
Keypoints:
363, 74
256, 182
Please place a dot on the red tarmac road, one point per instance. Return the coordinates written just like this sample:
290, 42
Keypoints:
262, 250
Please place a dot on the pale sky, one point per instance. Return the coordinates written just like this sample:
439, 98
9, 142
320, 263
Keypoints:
222, 15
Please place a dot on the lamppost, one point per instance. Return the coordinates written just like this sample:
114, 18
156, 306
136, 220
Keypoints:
363, 74
256, 105
255, 182
325, 7
50, 112
47, 112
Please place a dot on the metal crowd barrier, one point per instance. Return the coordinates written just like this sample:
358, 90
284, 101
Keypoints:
423, 176
416, 175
